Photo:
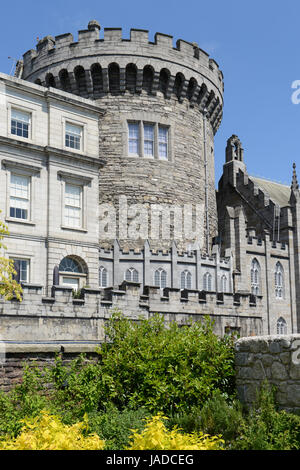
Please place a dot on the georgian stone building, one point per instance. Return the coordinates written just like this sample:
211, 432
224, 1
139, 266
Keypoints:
87, 125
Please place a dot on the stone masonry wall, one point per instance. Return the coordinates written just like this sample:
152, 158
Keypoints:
272, 358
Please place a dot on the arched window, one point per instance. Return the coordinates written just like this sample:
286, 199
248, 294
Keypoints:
50, 80
131, 73
279, 278
79, 74
114, 78
148, 78
160, 278
65, 80
191, 88
255, 277
103, 277
223, 283
207, 282
178, 84
281, 326
70, 265
164, 80
132, 275
97, 79
186, 280
72, 273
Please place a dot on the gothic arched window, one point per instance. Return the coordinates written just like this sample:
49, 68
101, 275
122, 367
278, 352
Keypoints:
160, 278
255, 277
279, 281
103, 277
132, 275
207, 282
281, 326
223, 286
186, 280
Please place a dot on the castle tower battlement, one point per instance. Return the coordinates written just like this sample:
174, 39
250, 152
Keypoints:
77, 66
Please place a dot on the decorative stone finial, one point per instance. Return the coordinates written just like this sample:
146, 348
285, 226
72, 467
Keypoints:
93, 24
295, 185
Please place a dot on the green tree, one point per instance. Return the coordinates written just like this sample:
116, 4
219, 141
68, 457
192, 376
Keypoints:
9, 287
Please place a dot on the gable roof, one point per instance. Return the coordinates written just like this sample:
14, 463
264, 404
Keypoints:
278, 193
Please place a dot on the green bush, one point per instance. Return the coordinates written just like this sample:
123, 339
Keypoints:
146, 364
267, 428
218, 415
115, 426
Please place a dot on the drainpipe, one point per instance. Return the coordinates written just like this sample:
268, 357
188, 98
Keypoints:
205, 115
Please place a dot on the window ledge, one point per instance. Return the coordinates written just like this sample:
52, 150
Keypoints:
74, 229
20, 221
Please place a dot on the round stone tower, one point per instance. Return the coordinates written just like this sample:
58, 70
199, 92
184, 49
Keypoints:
163, 106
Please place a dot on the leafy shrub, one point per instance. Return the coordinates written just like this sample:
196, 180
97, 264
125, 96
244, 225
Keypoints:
114, 426
218, 415
47, 432
156, 436
146, 364
266, 428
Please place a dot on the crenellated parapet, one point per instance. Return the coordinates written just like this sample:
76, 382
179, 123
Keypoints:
62, 317
94, 67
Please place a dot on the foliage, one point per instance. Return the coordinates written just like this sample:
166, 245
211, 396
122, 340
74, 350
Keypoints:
164, 369
114, 426
26, 399
9, 287
156, 436
266, 428
218, 415
47, 432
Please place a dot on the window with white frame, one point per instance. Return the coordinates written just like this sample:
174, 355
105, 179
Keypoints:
132, 275
281, 326
154, 138
19, 200
73, 136
186, 280
21, 267
207, 282
162, 143
149, 140
255, 277
160, 278
103, 277
134, 138
73, 206
279, 276
20, 123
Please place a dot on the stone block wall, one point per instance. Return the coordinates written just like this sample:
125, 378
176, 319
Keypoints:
275, 359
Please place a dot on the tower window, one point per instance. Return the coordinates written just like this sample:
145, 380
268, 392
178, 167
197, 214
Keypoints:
163, 143
73, 136
224, 283
20, 123
149, 140
134, 138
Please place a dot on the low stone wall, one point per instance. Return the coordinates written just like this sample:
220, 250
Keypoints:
13, 358
272, 358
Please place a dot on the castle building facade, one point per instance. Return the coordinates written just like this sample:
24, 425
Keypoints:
107, 187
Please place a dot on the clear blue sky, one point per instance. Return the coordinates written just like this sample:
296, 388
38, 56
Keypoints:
256, 44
